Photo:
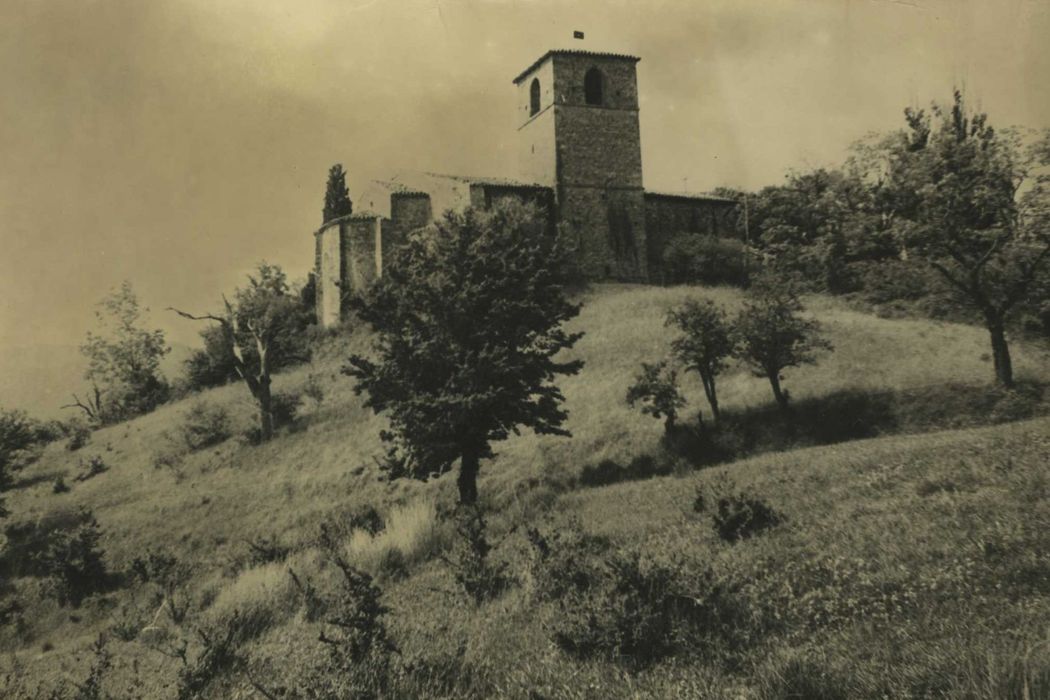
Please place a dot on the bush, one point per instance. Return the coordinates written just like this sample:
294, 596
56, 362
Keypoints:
170, 577
59, 485
74, 560
313, 388
609, 472
469, 558
366, 518
79, 435
362, 657
285, 407
94, 467
625, 609
655, 391
204, 425
691, 258
18, 433
737, 516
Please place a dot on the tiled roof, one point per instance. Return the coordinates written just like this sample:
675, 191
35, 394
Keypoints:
571, 52
704, 196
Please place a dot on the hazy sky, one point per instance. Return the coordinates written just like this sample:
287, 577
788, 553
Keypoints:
176, 143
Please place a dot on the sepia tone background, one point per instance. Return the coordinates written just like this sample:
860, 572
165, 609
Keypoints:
176, 143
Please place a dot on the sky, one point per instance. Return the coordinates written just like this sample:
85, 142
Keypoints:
176, 143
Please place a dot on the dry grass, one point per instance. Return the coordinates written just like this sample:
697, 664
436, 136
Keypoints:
412, 531
897, 501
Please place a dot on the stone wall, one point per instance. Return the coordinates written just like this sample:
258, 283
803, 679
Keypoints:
607, 228
361, 259
410, 210
329, 272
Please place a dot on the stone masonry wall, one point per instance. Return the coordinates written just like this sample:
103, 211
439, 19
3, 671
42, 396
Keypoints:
329, 274
360, 267
410, 210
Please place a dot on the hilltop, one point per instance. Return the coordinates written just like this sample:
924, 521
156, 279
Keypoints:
914, 550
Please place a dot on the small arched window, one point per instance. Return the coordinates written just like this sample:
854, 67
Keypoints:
534, 97
592, 87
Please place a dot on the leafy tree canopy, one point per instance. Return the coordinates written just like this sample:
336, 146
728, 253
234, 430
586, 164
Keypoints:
336, 197
973, 203
124, 358
469, 316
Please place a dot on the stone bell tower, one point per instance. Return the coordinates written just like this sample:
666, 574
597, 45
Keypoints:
579, 134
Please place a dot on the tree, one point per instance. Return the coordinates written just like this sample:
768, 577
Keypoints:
336, 197
18, 432
213, 364
655, 388
706, 342
260, 330
771, 335
973, 203
123, 361
469, 320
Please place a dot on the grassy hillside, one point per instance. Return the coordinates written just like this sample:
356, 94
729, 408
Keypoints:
922, 554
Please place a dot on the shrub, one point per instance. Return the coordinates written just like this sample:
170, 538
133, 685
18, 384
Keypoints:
59, 485
18, 432
218, 654
79, 435
265, 550
285, 407
366, 518
629, 610
74, 560
169, 455
361, 659
94, 467
609, 472
102, 662
564, 561
313, 389
204, 425
691, 258
469, 558
170, 577
737, 516
655, 389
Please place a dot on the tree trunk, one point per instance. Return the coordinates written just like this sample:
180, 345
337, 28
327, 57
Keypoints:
712, 396
778, 393
669, 424
265, 409
1004, 370
468, 478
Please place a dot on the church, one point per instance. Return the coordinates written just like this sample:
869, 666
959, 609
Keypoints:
580, 159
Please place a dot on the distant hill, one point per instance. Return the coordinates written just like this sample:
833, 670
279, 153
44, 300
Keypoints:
39, 379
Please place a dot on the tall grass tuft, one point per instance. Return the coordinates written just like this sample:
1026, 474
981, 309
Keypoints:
412, 530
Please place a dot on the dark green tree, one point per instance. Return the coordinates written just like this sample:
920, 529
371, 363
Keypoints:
336, 196
655, 389
973, 203
771, 335
705, 343
260, 331
469, 319
123, 361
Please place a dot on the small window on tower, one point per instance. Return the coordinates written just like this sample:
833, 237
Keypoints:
534, 97
592, 87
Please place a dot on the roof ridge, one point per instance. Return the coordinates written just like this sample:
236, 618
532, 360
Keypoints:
572, 52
